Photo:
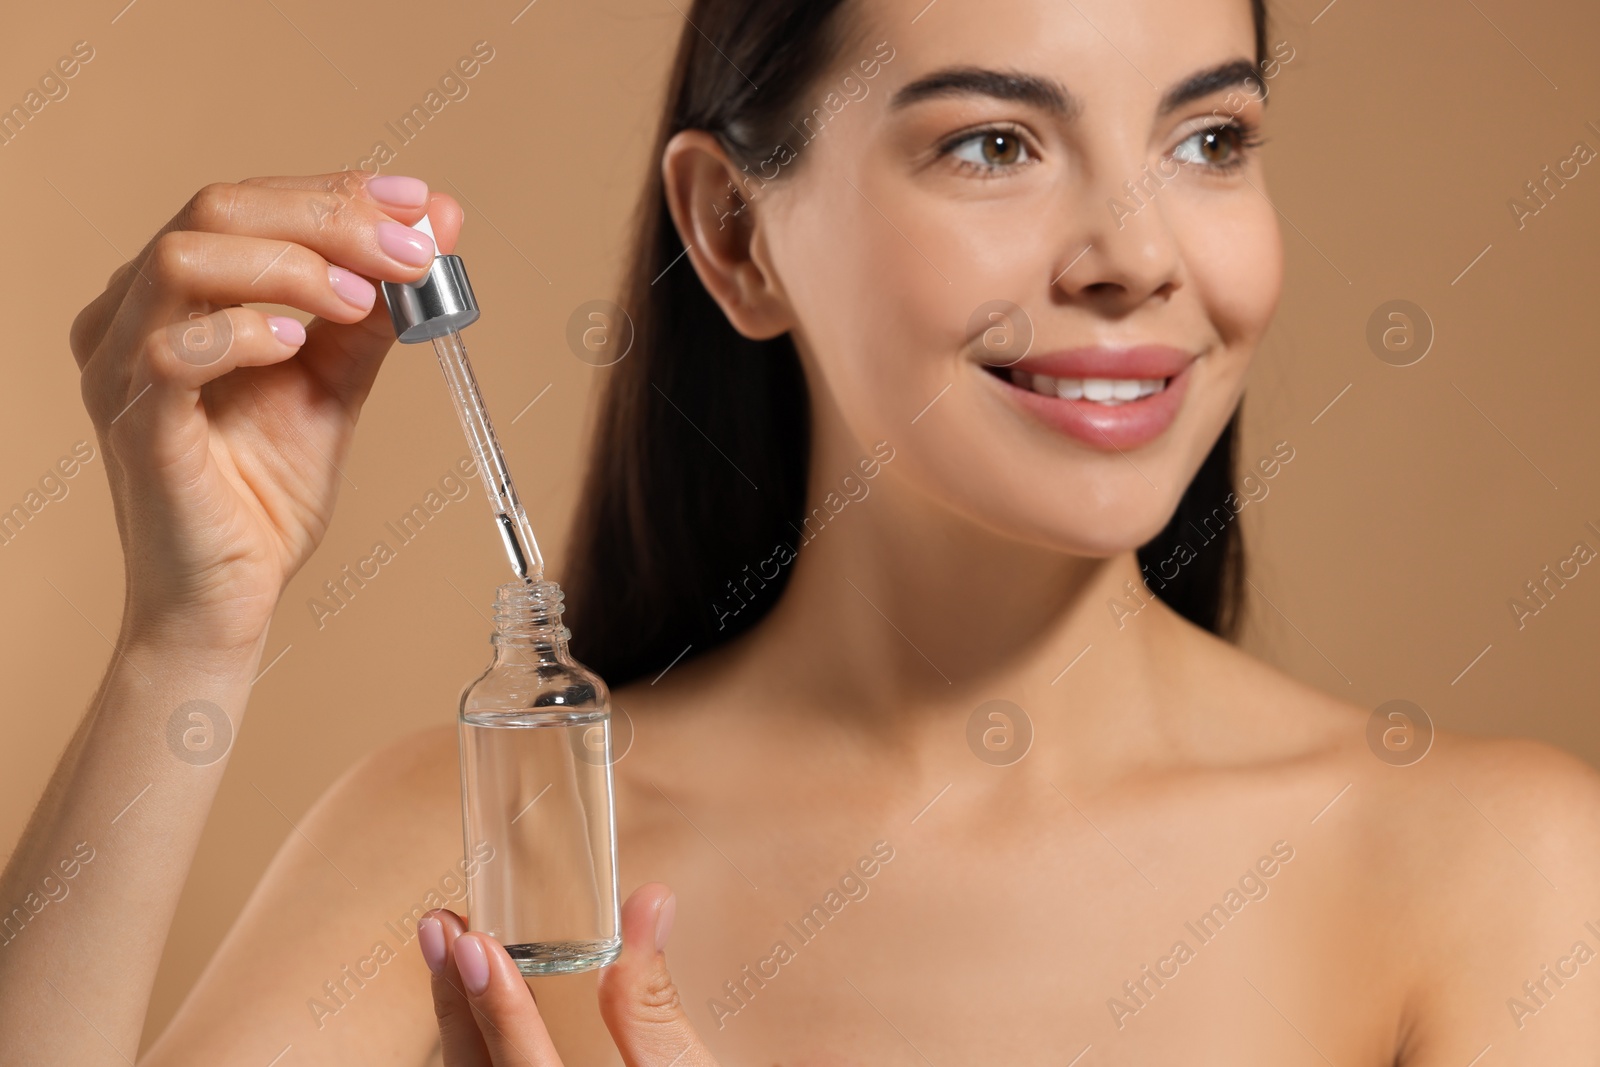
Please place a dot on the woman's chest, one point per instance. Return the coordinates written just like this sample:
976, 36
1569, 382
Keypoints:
812, 935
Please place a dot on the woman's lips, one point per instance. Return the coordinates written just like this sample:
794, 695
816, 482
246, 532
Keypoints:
1109, 427
1137, 361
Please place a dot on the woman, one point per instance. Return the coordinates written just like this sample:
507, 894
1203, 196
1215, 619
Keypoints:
1157, 849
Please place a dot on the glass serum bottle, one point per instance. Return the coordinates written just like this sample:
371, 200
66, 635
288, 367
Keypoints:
535, 727
536, 788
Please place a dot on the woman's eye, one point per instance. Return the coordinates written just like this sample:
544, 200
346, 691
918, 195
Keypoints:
1220, 147
990, 150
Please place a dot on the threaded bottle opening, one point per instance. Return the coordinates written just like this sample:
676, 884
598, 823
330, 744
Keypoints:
530, 609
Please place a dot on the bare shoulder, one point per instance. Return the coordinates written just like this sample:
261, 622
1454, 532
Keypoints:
1463, 869
423, 760
1455, 797
1298, 722
1496, 872
1556, 794
1466, 868
323, 956
1512, 816
1490, 818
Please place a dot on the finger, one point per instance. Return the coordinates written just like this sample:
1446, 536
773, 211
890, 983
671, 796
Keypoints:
277, 211
507, 1017
399, 196
356, 234
183, 357
403, 198
446, 217
196, 271
341, 216
349, 363
186, 268
459, 1037
90, 324
638, 999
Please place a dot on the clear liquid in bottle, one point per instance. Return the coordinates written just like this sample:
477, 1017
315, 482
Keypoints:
536, 788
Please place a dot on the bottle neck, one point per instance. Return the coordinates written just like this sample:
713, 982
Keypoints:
527, 621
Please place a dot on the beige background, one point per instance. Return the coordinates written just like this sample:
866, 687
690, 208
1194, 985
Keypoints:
1415, 507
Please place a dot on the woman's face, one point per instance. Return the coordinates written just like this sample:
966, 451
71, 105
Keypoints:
930, 231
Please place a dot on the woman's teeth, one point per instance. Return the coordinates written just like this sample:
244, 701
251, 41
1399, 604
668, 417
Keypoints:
1111, 391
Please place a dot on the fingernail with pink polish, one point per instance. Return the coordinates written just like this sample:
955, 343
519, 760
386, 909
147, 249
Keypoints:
664, 917
287, 330
430, 935
473, 963
409, 246
353, 289
398, 191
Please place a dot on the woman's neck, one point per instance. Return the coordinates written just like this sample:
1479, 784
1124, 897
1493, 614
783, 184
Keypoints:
911, 616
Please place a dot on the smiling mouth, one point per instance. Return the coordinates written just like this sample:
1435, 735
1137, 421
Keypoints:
1108, 392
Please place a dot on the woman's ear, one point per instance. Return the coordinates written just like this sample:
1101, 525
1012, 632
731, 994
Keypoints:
719, 228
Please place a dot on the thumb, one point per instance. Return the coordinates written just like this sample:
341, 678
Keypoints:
638, 999
446, 218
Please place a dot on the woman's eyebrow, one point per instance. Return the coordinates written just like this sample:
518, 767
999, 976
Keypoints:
1222, 76
1041, 92
1050, 95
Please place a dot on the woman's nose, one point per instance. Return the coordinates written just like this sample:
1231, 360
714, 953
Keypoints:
1123, 250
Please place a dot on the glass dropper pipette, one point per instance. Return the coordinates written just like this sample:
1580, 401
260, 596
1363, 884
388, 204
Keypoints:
511, 520
437, 308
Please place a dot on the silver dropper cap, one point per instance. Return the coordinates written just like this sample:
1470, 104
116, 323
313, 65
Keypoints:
440, 302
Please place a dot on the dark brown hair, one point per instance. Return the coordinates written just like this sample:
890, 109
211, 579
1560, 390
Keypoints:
702, 444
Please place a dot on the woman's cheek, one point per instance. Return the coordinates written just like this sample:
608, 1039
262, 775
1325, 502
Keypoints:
1236, 260
877, 316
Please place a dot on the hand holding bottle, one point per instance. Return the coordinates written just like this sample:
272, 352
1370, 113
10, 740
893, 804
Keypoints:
488, 1018
225, 429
